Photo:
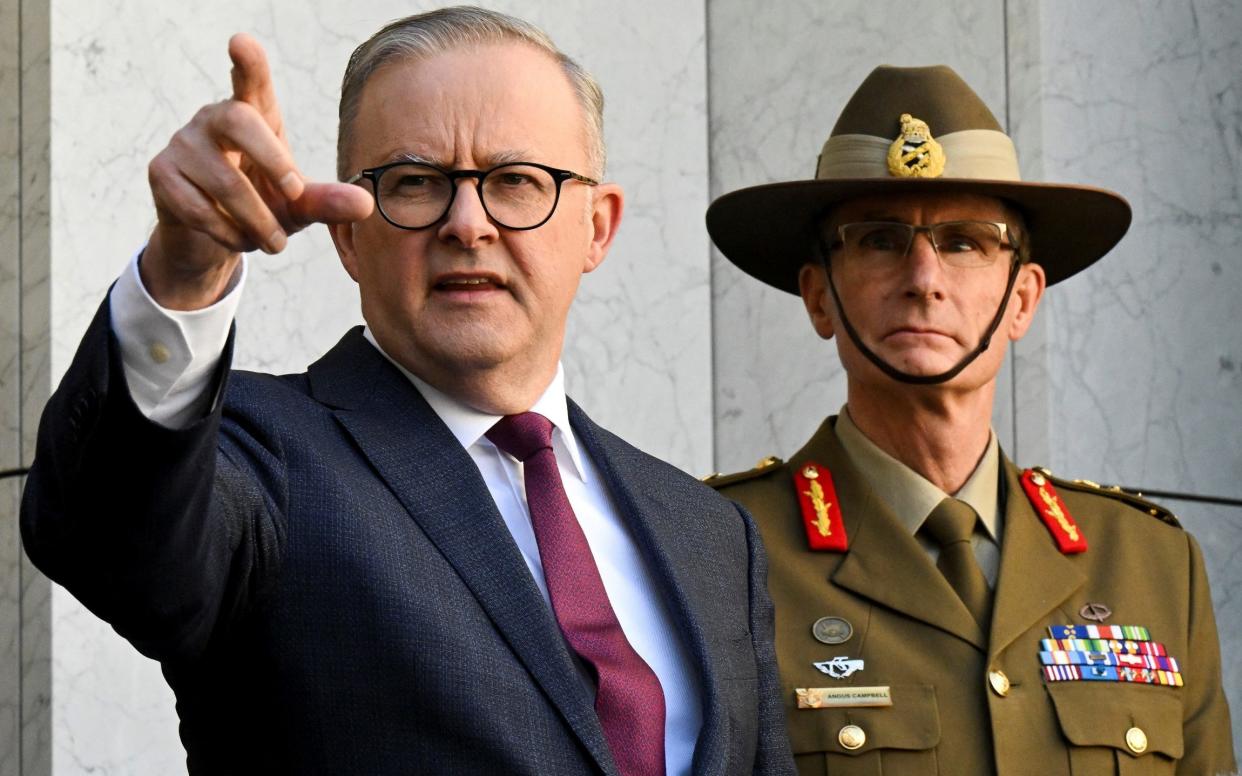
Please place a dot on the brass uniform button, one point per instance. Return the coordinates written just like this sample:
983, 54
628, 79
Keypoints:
999, 682
851, 737
1136, 739
159, 352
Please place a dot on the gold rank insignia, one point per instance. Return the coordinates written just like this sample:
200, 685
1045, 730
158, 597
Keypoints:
821, 511
1051, 509
915, 154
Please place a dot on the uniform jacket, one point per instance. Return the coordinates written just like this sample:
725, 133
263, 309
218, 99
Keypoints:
915, 636
329, 588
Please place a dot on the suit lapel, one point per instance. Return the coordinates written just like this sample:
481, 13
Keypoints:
1035, 577
885, 563
439, 485
659, 538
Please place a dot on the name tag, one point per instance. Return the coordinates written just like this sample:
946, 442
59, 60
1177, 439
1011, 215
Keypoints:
829, 697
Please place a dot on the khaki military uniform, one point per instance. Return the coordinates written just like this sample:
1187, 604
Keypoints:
968, 702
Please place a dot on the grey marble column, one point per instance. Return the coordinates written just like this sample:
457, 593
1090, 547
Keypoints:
10, 381
25, 721
10, 386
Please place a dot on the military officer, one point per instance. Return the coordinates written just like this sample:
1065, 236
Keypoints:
938, 609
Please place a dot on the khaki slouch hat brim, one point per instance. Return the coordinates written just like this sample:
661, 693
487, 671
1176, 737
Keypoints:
770, 231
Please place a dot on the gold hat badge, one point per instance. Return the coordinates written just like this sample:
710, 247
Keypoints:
915, 154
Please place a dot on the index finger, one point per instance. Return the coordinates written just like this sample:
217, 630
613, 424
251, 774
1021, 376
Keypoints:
252, 78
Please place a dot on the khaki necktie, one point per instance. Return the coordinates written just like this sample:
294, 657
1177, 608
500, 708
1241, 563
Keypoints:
951, 525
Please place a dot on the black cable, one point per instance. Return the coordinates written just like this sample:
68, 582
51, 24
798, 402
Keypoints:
19, 472
1169, 494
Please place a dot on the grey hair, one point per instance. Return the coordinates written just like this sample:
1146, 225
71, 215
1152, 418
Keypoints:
435, 32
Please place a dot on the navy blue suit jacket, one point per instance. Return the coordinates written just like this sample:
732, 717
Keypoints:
329, 587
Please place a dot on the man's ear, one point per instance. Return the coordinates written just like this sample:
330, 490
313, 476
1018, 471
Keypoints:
813, 285
608, 203
1028, 289
343, 239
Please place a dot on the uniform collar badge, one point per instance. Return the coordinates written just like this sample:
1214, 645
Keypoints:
821, 510
1051, 509
915, 153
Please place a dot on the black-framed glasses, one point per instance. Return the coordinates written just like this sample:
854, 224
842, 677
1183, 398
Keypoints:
879, 244
517, 195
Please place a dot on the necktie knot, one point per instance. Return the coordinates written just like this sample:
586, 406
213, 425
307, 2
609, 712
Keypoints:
951, 525
522, 435
952, 521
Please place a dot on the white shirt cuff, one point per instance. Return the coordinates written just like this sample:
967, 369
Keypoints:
170, 355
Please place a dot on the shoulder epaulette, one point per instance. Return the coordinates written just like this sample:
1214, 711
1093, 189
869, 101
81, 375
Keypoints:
1135, 500
765, 466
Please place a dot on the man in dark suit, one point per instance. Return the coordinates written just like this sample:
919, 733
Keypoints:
418, 556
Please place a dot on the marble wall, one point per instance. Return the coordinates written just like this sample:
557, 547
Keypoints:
1144, 352
1132, 375
10, 380
24, 245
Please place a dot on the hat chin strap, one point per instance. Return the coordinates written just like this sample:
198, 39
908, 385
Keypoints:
906, 377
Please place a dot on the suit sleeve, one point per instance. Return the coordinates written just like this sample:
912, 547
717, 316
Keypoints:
773, 755
149, 527
1206, 733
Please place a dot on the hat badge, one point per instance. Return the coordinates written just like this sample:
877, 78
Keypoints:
915, 153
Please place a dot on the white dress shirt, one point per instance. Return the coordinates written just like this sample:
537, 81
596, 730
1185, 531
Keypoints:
169, 358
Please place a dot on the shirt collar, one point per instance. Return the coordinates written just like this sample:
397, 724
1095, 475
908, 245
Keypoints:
469, 425
910, 495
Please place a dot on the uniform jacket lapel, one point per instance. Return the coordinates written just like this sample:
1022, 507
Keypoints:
885, 563
441, 488
1035, 577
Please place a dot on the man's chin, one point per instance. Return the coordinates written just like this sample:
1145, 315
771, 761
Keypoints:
919, 362
468, 356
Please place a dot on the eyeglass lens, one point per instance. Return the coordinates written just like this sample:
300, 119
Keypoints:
958, 243
517, 196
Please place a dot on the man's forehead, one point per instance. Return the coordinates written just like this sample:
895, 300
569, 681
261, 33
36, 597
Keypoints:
436, 159
472, 65
472, 105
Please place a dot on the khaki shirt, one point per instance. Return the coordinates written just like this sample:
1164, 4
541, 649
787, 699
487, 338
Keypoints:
912, 497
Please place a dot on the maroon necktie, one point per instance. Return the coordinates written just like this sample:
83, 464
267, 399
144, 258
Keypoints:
628, 699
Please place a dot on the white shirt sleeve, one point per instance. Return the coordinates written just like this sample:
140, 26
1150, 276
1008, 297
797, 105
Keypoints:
170, 355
